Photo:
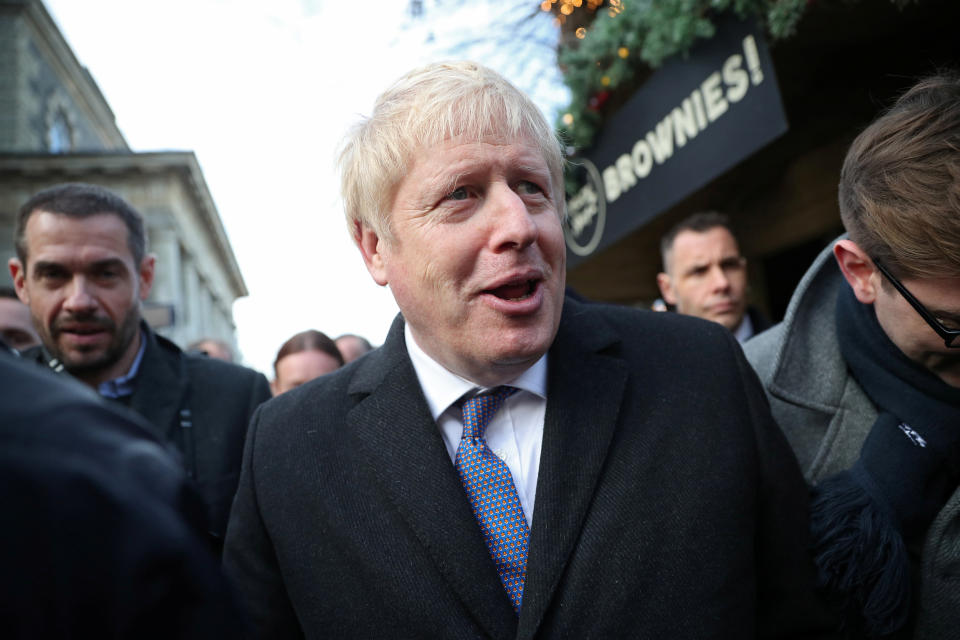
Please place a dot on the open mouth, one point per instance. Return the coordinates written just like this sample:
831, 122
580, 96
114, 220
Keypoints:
82, 332
515, 291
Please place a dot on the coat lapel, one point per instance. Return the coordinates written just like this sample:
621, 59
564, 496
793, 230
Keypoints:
160, 388
404, 453
584, 394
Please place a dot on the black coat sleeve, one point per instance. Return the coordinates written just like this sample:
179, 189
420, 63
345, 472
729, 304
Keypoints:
249, 559
788, 602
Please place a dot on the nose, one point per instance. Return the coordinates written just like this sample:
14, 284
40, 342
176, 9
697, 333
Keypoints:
513, 225
79, 296
718, 279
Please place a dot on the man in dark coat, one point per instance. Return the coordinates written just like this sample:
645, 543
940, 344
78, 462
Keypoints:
102, 535
509, 464
82, 268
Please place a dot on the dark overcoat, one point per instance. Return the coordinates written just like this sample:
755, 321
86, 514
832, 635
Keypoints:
668, 503
203, 406
101, 535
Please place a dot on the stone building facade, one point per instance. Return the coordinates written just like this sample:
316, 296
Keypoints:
56, 126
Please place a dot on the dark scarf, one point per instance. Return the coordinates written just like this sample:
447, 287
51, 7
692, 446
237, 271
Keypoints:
908, 468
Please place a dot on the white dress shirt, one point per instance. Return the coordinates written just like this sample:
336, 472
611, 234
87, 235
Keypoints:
515, 433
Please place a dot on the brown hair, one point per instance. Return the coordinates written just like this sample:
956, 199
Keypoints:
80, 200
900, 183
698, 222
309, 340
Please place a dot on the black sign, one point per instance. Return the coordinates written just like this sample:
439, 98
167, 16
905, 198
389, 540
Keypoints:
695, 118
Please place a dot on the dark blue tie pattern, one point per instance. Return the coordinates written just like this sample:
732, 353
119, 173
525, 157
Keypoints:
493, 495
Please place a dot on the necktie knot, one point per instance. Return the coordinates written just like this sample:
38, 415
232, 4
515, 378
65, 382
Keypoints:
478, 410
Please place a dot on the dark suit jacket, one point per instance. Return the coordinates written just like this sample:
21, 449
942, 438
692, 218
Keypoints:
220, 398
201, 405
668, 504
100, 533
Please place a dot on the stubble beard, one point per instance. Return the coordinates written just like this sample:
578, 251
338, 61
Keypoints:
91, 369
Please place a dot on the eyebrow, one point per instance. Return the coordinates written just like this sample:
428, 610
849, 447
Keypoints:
450, 182
697, 266
108, 262
534, 168
46, 265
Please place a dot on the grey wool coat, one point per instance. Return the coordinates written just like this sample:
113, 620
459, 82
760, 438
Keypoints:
826, 416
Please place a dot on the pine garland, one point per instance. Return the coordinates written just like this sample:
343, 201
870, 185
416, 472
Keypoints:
633, 36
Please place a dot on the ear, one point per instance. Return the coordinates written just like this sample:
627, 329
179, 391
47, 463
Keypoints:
372, 248
145, 274
666, 288
858, 269
18, 274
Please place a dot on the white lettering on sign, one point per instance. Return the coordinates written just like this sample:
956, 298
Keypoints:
611, 183
735, 78
706, 104
713, 96
587, 208
684, 122
582, 208
642, 157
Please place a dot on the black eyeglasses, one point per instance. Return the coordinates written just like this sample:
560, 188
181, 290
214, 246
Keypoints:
951, 337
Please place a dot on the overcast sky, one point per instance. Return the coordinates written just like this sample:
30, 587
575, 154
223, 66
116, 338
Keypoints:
263, 92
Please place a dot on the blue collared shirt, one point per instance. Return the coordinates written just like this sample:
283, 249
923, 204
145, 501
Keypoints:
126, 384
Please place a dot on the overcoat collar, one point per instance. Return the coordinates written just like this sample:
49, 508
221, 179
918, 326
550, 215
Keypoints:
405, 455
585, 387
800, 374
809, 372
161, 385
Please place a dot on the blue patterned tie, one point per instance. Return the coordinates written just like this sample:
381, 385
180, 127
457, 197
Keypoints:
493, 495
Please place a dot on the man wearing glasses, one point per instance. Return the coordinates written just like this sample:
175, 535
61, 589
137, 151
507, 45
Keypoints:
863, 375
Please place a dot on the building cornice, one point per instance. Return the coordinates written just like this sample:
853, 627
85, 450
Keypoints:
87, 166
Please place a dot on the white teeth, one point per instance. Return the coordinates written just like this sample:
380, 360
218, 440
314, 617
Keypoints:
531, 287
523, 297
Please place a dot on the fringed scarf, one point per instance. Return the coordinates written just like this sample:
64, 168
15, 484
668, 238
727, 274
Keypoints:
909, 466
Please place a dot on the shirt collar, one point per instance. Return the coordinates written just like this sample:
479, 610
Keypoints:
442, 387
745, 330
124, 385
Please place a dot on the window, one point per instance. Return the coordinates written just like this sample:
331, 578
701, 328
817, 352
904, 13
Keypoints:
59, 135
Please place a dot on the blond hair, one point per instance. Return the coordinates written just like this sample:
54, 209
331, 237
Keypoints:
423, 108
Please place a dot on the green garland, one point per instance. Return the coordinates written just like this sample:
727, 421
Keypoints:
620, 45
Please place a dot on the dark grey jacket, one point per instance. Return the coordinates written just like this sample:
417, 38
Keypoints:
826, 416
